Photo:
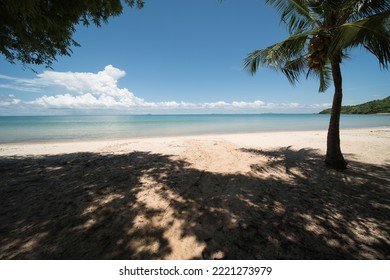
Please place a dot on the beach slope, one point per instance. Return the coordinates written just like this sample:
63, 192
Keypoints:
237, 196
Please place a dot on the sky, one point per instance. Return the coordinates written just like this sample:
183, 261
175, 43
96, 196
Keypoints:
178, 57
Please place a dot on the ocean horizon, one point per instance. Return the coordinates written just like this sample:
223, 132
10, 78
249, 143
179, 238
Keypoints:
14, 129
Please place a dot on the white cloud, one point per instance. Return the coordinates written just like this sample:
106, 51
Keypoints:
100, 90
19, 88
87, 101
28, 85
9, 100
104, 82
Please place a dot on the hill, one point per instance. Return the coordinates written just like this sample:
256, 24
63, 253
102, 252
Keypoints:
371, 107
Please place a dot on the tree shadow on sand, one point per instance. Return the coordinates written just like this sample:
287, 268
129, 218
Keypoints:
151, 206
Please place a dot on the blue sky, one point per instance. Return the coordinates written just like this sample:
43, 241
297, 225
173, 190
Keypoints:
177, 56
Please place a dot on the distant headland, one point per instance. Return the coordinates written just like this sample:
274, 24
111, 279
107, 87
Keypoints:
372, 107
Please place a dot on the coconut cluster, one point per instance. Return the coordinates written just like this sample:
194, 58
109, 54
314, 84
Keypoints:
318, 49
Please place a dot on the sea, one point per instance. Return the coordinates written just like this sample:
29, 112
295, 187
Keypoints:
73, 128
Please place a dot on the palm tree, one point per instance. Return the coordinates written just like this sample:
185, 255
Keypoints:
321, 35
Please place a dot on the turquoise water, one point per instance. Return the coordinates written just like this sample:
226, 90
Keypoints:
47, 128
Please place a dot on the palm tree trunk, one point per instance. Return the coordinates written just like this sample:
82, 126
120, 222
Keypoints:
334, 157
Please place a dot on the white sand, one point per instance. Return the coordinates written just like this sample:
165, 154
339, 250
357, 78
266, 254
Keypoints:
235, 196
370, 145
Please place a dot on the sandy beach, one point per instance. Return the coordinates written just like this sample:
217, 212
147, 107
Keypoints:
234, 196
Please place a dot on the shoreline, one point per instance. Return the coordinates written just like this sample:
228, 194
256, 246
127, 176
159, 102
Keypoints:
300, 139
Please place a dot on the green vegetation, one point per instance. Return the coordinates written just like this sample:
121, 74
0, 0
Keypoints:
372, 107
321, 35
36, 31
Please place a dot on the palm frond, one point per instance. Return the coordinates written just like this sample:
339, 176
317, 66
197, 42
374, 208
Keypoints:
334, 11
277, 55
329, 29
295, 14
294, 69
354, 10
372, 33
324, 75
366, 8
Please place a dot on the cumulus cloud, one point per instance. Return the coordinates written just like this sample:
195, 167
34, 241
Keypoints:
104, 82
85, 90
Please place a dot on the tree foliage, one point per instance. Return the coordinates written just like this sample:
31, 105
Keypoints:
371, 107
321, 31
37, 31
